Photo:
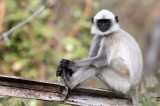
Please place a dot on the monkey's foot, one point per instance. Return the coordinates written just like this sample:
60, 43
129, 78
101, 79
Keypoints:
59, 71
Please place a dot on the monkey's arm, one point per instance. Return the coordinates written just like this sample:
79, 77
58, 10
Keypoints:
97, 61
95, 46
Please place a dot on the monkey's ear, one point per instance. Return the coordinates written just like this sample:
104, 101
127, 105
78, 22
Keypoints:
92, 20
116, 18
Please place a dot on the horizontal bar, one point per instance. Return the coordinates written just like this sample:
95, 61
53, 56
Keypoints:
55, 92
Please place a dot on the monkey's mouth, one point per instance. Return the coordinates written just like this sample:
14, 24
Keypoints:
103, 29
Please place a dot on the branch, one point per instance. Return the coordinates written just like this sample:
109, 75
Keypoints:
37, 13
87, 11
50, 91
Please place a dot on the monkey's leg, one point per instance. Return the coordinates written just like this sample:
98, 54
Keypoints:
113, 79
116, 76
119, 81
80, 75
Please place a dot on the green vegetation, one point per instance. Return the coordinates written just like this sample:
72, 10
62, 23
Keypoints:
62, 31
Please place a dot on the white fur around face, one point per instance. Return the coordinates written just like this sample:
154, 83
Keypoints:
104, 14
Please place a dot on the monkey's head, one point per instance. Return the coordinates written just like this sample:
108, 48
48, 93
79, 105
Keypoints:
104, 23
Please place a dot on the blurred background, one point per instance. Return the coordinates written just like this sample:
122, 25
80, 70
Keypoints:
63, 31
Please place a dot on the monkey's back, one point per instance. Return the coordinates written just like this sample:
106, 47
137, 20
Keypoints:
122, 45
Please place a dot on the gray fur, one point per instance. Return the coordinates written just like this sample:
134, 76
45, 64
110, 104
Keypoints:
114, 45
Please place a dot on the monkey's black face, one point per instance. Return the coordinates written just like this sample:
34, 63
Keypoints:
103, 24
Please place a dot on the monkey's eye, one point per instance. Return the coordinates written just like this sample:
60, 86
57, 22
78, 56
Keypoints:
104, 21
100, 21
107, 21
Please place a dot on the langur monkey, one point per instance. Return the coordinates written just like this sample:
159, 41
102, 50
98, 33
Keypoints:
115, 57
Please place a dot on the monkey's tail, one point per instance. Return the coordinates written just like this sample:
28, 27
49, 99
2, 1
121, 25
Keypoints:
135, 98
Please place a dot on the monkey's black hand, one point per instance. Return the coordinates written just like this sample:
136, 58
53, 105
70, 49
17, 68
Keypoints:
59, 71
64, 63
